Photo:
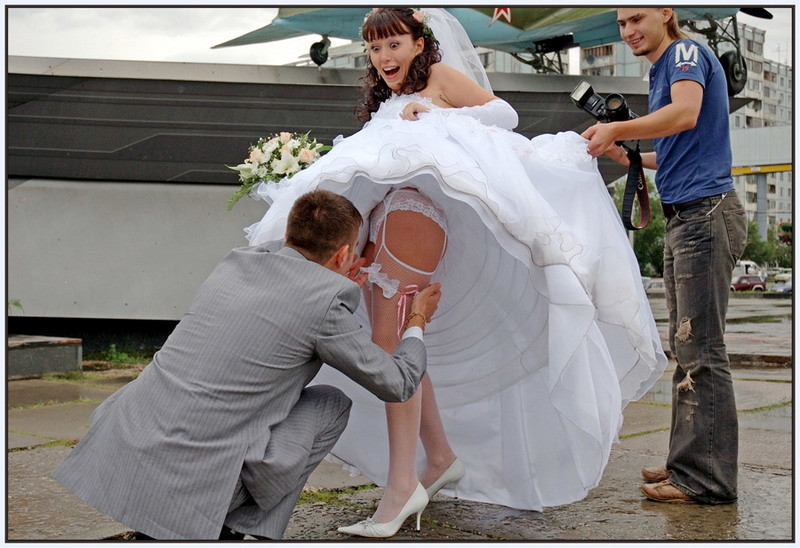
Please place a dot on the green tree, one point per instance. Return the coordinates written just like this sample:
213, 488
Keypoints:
775, 251
781, 238
648, 243
756, 250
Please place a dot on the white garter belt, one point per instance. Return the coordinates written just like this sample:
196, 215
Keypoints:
406, 200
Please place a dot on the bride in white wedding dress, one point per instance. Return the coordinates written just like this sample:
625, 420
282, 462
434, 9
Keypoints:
543, 333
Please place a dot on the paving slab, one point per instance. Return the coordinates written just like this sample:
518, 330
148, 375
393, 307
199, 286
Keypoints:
750, 393
57, 422
39, 508
18, 441
776, 374
641, 417
25, 393
755, 327
329, 475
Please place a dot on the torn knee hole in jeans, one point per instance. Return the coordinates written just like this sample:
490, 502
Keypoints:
684, 330
687, 384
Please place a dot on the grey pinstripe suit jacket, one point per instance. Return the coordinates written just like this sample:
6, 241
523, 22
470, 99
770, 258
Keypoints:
164, 452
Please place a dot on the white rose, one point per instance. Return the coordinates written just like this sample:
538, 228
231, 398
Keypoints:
270, 146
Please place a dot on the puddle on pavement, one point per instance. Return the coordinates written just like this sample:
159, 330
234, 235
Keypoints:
759, 319
44, 392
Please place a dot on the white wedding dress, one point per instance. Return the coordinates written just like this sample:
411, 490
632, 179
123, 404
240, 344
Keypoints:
543, 333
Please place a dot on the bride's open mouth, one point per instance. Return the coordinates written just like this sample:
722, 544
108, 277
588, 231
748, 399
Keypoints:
391, 71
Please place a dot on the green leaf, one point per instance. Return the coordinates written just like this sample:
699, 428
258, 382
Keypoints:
242, 191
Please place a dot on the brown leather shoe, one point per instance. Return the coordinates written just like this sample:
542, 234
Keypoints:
654, 474
664, 491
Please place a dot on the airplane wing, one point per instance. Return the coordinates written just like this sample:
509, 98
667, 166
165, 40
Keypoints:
533, 30
514, 33
587, 26
290, 22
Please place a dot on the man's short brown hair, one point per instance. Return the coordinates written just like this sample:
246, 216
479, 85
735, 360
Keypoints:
320, 222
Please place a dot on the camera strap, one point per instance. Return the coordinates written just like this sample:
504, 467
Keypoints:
636, 185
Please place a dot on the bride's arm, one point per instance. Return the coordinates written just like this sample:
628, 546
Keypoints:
464, 94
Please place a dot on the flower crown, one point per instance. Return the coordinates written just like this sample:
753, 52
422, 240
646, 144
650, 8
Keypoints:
418, 14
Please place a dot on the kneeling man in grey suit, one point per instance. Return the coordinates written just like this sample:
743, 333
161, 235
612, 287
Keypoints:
220, 431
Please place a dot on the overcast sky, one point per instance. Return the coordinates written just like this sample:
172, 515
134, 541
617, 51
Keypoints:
187, 34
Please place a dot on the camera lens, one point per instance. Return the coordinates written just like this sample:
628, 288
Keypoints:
614, 101
616, 107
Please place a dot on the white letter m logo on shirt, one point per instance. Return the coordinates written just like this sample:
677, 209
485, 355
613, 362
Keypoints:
686, 54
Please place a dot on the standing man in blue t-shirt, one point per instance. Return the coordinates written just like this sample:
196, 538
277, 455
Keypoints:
705, 235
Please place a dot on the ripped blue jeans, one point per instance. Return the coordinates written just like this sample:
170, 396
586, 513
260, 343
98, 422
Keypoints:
702, 244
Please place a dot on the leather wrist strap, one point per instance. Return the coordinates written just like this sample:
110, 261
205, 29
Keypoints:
636, 185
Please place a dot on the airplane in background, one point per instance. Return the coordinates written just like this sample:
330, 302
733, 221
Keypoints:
535, 36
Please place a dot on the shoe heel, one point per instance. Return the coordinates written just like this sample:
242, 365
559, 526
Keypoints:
419, 515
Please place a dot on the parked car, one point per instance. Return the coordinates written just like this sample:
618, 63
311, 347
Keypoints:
748, 283
783, 288
784, 275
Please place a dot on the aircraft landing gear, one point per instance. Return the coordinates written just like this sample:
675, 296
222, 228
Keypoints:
319, 50
735, 71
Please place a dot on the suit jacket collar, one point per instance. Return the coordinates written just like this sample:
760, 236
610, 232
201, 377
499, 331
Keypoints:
287, 251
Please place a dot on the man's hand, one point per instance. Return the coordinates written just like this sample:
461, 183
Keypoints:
354, 275
426, 302
602, 138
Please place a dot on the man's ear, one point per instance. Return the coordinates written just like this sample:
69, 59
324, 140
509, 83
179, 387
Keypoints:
340, 255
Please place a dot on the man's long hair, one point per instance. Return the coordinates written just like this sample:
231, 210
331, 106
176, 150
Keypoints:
382, 23
320, 222
673, 27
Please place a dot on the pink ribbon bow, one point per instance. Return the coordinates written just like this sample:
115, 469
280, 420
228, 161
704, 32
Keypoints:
405, 293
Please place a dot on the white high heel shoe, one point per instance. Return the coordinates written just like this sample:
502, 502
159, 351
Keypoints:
453, 473
416, 503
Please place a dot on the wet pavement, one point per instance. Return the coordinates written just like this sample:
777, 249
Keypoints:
45, 417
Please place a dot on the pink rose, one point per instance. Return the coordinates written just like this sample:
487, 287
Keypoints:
285, 136
307, 156
419, 16
256, 156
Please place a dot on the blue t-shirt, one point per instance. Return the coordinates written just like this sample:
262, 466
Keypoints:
697, 162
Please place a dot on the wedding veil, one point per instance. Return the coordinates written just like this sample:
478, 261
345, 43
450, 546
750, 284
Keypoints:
455, 46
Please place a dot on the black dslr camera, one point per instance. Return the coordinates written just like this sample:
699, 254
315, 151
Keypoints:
611, 109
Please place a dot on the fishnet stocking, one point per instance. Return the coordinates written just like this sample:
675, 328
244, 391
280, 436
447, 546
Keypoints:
418, 242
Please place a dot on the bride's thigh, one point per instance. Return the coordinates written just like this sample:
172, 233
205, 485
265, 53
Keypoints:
414, 239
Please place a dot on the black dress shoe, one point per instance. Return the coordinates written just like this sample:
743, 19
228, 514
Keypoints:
229, 534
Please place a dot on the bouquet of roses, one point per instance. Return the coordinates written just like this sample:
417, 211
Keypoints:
275, 158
